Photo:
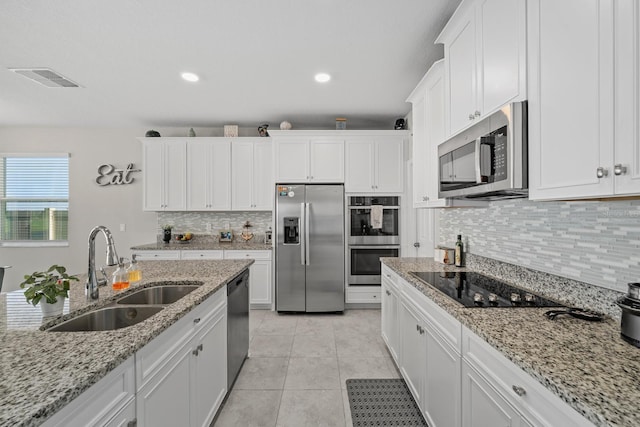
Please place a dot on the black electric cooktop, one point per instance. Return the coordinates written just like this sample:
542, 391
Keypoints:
477, 290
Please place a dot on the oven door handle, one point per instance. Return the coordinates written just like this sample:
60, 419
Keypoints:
478, 160
369, 207
374, 247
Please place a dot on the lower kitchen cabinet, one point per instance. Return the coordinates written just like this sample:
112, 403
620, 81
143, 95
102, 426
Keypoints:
260, 289
457, 378
157, 255
182, 373
109, 402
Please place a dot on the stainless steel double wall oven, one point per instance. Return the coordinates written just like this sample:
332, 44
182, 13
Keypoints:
368, 241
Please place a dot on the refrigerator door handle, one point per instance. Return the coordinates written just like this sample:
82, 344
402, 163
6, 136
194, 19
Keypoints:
303, 230
306, 232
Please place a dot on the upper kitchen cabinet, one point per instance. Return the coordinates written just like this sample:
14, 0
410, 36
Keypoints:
374, 163
209, 174
584, 98
485, 59
308, 157
428, 128
252, 174
164, 174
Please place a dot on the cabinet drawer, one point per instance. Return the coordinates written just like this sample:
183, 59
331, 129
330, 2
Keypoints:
528, 395
363, 296
157, 255
232, 254
445, 325
201, 254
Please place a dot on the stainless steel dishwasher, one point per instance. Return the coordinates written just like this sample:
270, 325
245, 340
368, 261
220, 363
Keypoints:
237, 325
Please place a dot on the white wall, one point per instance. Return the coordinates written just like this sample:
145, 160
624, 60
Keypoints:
89, 204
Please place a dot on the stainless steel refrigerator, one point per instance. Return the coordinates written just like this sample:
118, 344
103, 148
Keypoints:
310, 247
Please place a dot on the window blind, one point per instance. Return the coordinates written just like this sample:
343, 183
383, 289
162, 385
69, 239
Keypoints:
34, 197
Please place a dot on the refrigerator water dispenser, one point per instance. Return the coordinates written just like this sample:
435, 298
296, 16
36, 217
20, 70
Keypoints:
291, 230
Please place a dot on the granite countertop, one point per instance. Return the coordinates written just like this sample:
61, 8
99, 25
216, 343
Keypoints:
586, 364
43, 371
208, 243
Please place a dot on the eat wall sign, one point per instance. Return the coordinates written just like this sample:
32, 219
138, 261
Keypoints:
110, 175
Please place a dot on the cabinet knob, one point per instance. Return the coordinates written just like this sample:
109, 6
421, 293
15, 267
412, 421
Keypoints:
388, 293
519, 390
196, 320
416, 245
619, 169
477, 113
601, 172
471, 117
195, 352
425, 198
200, 347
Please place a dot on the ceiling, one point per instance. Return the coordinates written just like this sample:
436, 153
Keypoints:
256, 60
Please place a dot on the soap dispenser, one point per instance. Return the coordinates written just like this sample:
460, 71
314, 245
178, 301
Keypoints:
135, 275
120, 277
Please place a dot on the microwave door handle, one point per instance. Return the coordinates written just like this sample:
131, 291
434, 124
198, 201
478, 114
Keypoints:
307, 226
478, 160
303, 228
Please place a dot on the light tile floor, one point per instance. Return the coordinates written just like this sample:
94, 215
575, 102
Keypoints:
298, 366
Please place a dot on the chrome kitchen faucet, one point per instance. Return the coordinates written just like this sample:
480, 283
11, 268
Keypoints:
112, 259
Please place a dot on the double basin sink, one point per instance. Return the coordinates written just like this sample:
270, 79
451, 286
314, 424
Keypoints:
129, 309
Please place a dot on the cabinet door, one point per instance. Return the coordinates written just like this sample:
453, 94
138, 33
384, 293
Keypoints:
482, 406
420, 145
389, 165
461, 72
435, 116
389, 318
124, 417
209, 378
442, 384
260, 282
413, 349
220, 176
326, 161
503, 58
292, 157
242, 175
570, 98
175, 176
359, 175
199, 157
627, 92
153, 176
168, 389
263, 176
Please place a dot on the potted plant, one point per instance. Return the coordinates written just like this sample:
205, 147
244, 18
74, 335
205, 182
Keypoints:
49, 288
166, 233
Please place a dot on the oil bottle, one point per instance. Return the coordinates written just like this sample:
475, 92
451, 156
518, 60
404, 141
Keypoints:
135, 275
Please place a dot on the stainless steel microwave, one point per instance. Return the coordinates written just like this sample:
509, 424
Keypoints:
489, 160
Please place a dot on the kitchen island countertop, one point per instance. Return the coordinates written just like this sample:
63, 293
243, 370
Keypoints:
586, 364
43, 371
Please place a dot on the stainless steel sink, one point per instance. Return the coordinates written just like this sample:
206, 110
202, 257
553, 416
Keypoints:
107, 319
158, 295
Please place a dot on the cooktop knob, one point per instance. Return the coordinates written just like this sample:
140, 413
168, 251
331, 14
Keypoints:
530, 298
516, 298
493, 297
478, 298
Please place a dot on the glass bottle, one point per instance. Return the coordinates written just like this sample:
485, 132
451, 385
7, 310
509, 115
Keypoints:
120, 277
135, 275
459, 252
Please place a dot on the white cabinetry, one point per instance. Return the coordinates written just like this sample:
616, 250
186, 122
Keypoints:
182, 374
389, 311
375, 164
164, 174
413, 355
252, 175
485, 59
142, 255
109, 402
208, 174
584, 99
304, 158
206, 254
260, 272
428, 128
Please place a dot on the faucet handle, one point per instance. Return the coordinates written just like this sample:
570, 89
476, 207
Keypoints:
104, 280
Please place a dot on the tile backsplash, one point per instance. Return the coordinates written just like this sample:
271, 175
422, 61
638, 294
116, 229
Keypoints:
196, 222
592, 242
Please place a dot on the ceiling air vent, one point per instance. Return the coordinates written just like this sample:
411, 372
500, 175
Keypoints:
45, 77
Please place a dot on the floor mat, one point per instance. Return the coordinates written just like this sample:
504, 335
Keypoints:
382, 402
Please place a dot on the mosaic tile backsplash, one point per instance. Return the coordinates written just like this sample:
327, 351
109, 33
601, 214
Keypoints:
592, 242
196, 222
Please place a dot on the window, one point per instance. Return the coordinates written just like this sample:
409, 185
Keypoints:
34, 198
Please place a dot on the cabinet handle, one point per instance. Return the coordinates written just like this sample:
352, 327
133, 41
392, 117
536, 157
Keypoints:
388, 293
519, 390
195, 352
601, 172
196, 320
200, 347
477, 113
471, 117
425, 198
619, 169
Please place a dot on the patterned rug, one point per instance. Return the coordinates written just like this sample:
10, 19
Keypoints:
383, 402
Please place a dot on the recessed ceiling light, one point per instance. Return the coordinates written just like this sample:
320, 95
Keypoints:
322, 77
190, 77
